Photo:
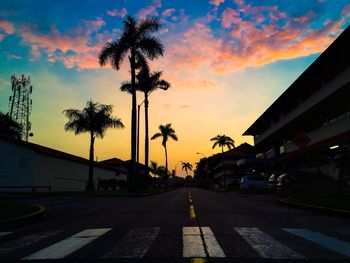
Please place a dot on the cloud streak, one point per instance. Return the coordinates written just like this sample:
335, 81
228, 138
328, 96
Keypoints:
6, 28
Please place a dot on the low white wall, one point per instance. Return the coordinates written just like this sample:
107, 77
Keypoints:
15, 165
21, 165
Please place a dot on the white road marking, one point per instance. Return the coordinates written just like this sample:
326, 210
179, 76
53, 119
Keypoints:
265, 245
193, 245
331, 243
213, 246
135, 243
69, 245
4, 233
25, 241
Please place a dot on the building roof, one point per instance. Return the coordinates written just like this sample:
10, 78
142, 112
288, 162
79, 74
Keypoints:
318, 73
241, 151
55, 153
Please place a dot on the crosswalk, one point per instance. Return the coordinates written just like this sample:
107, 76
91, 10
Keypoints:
195, 243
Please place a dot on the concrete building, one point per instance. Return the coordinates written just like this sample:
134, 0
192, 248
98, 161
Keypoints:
308, 127
26, 167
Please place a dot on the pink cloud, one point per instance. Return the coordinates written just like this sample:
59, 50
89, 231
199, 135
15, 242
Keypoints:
73, 49
150, 10
216, 2
346, 10
168, 12
197, 48
6, 28
122, 13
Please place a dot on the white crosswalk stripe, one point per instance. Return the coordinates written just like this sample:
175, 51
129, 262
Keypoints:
4, 233
135, 243
25, 241
265, 245
328, 242
193, 243
69, 245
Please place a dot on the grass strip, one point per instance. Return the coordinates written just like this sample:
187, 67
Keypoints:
330, 202
12, 209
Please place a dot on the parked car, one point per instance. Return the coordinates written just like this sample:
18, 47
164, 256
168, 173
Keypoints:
273, 180
286, 180
253, 183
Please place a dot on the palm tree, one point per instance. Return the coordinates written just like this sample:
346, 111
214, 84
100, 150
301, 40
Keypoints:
166, 131
139, 44
10, 127
222, 141
147, 82
186, 166
95, 118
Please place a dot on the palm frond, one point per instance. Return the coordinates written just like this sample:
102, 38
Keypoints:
151, 47
149, 25
156, 135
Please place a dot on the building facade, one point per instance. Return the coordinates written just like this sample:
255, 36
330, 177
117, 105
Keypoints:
26, 167
308, 127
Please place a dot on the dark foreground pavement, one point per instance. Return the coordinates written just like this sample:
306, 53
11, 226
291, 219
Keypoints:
159, 228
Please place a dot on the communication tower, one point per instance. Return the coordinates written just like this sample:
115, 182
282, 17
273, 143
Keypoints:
20, 103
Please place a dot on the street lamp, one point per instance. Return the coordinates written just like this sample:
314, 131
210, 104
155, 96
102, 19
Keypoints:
138, 121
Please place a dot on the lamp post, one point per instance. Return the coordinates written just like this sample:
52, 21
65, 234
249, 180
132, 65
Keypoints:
206, 167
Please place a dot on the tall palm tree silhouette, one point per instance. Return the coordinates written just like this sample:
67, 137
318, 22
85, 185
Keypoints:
222, 141
139, 44
95, 119
187, 167
147, 82
10, 127
166, 131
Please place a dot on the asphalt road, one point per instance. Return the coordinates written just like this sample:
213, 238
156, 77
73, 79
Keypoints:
177, 226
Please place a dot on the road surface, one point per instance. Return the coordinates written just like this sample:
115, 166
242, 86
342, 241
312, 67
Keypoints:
177, 226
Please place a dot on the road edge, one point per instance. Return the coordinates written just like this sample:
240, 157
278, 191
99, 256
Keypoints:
315, 208
28, 218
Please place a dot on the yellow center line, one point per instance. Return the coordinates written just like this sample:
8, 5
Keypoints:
199, 260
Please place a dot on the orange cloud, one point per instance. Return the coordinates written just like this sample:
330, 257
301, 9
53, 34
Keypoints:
247, 45
6, 28
216, 2
73, 49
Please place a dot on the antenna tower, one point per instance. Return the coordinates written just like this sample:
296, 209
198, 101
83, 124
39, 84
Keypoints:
20, 103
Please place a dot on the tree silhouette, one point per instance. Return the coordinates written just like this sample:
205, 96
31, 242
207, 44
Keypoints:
166, 131
95, 119
146, 82
187, 167
222, 141
139, 44
9, 127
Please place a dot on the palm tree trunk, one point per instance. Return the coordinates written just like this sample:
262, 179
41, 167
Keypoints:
90, 185
223, 164
166, 163
146, 136
133, 183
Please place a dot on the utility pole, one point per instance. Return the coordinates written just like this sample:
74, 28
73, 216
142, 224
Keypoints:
20, 104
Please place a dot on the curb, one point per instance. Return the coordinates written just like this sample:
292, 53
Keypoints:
315, 208
29, 218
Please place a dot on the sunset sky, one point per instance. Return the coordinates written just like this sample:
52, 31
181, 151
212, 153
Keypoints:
226, 60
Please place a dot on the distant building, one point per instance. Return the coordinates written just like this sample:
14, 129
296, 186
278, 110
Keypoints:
221, 169
26, 167
308, 127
